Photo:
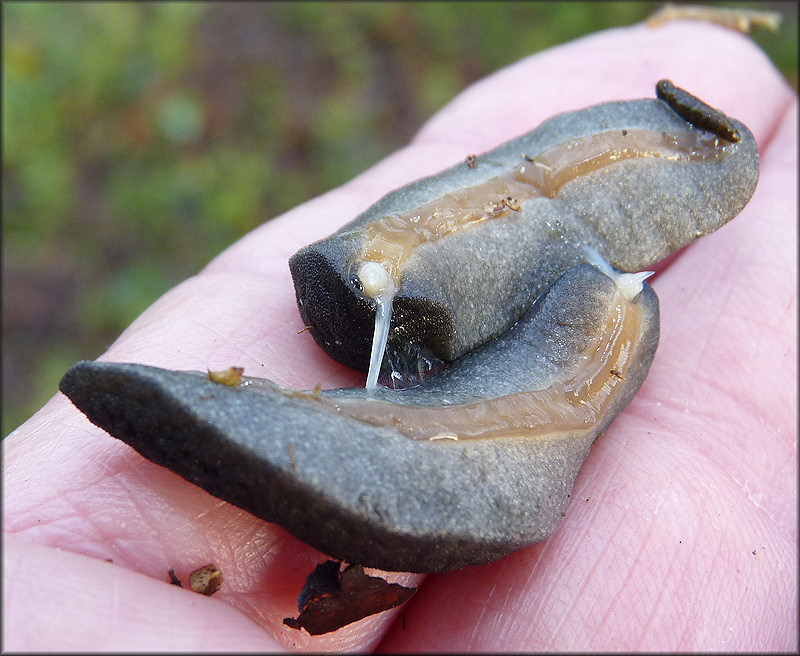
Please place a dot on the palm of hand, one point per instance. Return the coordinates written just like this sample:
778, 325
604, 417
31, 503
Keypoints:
682, 529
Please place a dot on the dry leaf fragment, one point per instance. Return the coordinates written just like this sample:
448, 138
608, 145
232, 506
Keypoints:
331, 598
742, 20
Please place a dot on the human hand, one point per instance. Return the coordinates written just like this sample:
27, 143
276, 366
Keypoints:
682, 529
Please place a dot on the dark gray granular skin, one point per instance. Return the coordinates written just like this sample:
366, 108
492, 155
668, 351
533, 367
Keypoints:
466, 289
367, 494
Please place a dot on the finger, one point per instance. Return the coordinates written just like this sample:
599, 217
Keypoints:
240, 310
110, 504
89, 604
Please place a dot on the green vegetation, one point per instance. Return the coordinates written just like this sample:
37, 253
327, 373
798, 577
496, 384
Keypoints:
141, 139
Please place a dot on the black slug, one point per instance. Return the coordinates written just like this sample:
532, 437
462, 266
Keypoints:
482, 267
455, 259
474, 464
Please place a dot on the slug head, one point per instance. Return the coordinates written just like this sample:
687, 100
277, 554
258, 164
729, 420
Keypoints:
339, 307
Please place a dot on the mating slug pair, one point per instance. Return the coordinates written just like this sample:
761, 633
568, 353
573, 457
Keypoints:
505, 275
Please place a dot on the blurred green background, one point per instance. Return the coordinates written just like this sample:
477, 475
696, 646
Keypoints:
139, 140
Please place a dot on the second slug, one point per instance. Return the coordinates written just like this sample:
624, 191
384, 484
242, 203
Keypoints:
451, 261
474, 464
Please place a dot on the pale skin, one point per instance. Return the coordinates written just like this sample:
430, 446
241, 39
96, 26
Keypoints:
681, 532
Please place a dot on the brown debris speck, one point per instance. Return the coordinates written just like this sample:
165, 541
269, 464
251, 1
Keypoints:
507, 203
229, 376
174, 580
206, 580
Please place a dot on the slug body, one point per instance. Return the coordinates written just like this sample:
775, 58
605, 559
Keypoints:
505, 267
475, 464
468, 250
